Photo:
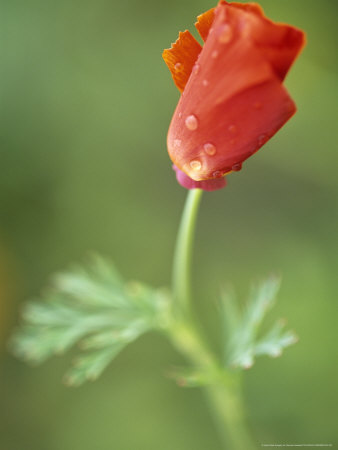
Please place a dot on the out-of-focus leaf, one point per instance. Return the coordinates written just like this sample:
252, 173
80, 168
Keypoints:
94, 307
242, 329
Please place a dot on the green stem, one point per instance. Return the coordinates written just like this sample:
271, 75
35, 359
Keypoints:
226, 406
183, 252
224, 396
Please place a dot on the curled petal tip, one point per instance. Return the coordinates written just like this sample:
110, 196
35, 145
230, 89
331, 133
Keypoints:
181, 57
204, 23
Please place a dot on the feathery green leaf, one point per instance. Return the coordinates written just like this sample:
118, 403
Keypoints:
95, 308
242, 329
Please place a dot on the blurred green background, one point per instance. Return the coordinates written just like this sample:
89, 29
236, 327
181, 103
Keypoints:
86, 102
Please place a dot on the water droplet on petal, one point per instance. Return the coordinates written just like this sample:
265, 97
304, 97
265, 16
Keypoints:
262, 139
196, 164
232, 128
177, 142
205, 82
196, 69
179, 115
225, 35
214, 54
209, 149
178, 67
244, 28
236, 167
191, 122
257, 105
217, 174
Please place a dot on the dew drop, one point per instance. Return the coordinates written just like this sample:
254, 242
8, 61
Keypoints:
205, 83
217, 174
191, 122
177, 142
178, 67
225, 35
257, 105
262, 139
214, 54
236, 167
179, 115
244, 28
209, 149
232, 128
196, 165
196, 69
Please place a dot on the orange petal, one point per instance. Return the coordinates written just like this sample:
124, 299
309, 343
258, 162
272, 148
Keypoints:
279, 43
204, 23
181, 57
285, 45
227, 134
233, 104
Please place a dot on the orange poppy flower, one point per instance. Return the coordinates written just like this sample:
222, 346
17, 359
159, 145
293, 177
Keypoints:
233, 99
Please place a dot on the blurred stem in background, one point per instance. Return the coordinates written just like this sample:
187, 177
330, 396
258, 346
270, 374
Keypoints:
224, 391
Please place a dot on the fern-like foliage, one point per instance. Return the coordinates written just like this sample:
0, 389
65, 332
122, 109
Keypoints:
93, 307
242, 328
